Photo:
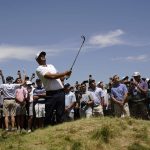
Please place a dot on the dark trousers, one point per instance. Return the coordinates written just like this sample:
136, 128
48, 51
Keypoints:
54, 107
139, 110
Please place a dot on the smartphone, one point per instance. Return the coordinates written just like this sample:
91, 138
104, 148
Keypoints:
33, 75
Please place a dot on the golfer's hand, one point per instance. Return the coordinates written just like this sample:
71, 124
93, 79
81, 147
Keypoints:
68, 74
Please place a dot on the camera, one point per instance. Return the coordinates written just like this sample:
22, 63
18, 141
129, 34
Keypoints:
83, 104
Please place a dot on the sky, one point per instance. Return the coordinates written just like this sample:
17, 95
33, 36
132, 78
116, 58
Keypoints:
117, 37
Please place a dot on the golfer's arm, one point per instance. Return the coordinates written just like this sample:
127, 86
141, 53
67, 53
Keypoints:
54, 76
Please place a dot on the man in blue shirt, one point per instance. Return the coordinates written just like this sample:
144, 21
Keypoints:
119, 95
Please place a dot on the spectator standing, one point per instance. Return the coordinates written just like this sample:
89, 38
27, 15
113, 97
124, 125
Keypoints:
86, 102
119, 95
98, 97
9, 105
30, 107
138, 94
21, 96
106, 103
70, 100
39, 95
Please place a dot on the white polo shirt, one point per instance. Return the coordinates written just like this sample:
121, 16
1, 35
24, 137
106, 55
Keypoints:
9, 90
49, 84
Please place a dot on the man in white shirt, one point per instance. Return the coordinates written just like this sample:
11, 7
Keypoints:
98, 97
9, 105
70, 100
54, 88
86, 102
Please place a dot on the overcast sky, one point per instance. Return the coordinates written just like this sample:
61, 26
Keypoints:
117, 36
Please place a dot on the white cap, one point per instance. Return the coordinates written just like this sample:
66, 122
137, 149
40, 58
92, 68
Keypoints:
136, 74
28, 82
147, 79
39, 53
99, 82
125, 77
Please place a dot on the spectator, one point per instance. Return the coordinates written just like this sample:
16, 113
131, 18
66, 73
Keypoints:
9, 105
98, 97
138, 94
21, 96
70, 101
30, 105
119, 95
86, 102
106, 104
39, 95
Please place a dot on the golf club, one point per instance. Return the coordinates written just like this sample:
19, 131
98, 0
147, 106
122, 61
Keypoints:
83, 37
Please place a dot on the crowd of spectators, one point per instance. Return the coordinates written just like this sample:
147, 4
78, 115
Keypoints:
22, 101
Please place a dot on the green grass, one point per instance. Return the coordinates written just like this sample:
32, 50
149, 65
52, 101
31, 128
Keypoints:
85, 134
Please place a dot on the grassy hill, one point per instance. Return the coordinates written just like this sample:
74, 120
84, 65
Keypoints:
85, 134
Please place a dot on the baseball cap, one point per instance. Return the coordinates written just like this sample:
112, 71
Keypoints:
136, 74
9, 78
39, 53
67, 85
125, 77
38, 80
28, 82
99, 82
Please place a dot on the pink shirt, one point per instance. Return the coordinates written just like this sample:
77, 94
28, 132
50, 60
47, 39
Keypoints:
21, 94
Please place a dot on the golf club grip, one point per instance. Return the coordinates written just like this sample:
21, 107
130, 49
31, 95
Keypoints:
67, 77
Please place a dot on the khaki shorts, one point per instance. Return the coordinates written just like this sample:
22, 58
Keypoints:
98, 111
9, 107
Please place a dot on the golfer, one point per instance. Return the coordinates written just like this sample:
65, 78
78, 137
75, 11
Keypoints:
55, 96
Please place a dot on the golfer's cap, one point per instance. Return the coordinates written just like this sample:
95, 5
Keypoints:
147, 79
39, 53
136, 74
28, 83
67, 85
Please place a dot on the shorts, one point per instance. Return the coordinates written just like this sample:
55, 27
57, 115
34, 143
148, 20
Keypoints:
30, 109
20, 109
9, 107
39, 110
98, 111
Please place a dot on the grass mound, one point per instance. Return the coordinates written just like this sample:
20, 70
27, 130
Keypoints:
85, 134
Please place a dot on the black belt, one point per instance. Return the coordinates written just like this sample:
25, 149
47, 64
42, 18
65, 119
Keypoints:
9, 98
54, 92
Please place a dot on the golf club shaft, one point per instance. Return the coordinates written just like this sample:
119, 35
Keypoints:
83, 37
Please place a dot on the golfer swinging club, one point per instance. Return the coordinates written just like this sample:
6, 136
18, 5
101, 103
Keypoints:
55, 97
